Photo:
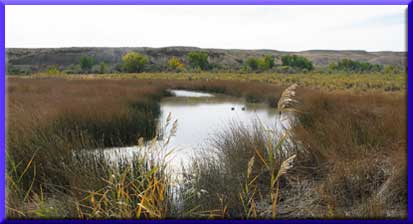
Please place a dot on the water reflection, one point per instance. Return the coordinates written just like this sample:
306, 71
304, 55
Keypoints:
199, 116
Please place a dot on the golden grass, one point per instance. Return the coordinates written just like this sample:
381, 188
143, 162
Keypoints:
354, 138
341, 81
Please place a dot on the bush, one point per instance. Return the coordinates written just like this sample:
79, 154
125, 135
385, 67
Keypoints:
261, 64
392, 69
198, 60
73, 69
348, 65
13, 70
296, 61
134, 62
252, 64
53, 70
103, 68
176, 64
267, 62
86, 63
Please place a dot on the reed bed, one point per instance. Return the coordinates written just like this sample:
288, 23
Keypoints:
51, 121
358, 148
349, 159
351, 162
369, 82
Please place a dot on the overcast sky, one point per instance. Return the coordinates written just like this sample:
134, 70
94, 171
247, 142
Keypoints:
287, 28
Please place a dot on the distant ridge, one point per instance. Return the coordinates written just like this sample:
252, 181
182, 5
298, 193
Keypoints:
37, 59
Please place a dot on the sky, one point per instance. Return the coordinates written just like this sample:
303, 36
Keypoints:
285, 28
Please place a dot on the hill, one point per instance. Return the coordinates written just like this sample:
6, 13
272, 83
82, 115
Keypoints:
39, 59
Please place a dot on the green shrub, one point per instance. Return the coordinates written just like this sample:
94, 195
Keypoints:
13, 70
103, 68
392, 69
198, 60
296, 61
267, 62
53, 70
86, 63
348, 65
134, 62
252, 63
260, 64
176, 64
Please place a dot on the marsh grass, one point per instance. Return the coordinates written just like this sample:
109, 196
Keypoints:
49, 123
354, 165
95, 187
353, 142
244, 169
349, 147
140, 188
369, 82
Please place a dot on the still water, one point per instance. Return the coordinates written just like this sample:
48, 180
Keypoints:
199, 117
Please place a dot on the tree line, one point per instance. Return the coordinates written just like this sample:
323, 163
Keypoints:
134, 62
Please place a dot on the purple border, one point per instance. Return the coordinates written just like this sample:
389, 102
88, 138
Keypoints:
409, 113
198, 2
2, 115
207, 2
172, 221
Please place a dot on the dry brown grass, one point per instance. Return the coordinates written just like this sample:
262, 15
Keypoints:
358, 146
50, 120
354, 164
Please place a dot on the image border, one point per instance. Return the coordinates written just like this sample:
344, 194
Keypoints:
3, 4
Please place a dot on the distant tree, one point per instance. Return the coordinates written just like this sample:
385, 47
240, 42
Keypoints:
332, 66
176, 64
260, 64
348, 65
252, 64
86, 63
267, 62
102, 68
296, 61
393, 69
14, 70
134, 62
198, 60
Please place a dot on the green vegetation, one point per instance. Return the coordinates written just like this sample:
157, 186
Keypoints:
103, 67
53, 70
351, 66
86, 63
175, 64
260, 64
14, 70
134, 62
296, 61
252, 63
267, 62
198, 60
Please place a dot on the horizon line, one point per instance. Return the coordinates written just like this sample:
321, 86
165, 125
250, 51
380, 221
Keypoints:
209, 48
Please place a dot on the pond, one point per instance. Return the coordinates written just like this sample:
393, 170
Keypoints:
199, 117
